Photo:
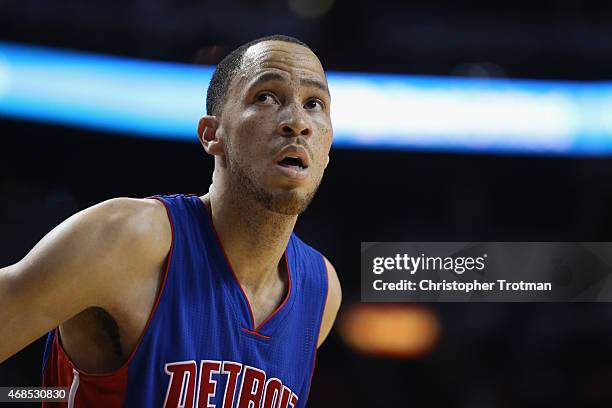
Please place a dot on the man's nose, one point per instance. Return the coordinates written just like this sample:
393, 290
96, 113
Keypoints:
294, 123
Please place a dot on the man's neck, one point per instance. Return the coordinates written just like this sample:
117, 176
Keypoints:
253, 237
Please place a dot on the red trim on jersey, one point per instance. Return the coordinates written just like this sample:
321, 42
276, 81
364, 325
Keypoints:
94, 390
286, 297
314, 364
256, 333
97, 390
229, 264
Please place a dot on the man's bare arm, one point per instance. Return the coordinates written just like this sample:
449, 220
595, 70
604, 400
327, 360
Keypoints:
85, 261
334, 298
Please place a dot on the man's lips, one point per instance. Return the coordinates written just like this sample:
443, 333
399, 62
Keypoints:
293, 161
293, 172
293, 152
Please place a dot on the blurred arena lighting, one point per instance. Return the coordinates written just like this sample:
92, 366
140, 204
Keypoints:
159, 99
115, 94
484, 69
4, 78
310, 8
393, 331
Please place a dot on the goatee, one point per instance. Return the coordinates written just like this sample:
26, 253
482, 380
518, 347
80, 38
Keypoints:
286, 202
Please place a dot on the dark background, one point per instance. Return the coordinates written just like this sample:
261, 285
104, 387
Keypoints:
488, 355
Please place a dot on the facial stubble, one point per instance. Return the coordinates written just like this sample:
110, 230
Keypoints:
286, 202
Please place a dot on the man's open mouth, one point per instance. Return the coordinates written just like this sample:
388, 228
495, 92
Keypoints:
295, 162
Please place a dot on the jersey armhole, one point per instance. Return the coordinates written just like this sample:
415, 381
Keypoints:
107, 376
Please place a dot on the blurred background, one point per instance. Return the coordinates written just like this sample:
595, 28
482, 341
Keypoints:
493, 122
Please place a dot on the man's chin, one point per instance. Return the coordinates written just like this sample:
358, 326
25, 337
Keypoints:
286, 202
286, 199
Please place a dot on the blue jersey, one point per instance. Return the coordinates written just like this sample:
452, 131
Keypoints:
200, 347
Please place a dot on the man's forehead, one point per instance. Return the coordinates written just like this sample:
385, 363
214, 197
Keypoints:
282, 55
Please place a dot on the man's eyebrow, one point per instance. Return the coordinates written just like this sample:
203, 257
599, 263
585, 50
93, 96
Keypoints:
315, 83
274, 76
267, 77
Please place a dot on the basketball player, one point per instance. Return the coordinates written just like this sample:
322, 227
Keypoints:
187, 301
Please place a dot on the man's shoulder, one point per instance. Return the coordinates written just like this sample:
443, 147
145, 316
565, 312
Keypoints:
304, 247
313, 252
334, 290
135, 215
125, 208
140, 224
332, 302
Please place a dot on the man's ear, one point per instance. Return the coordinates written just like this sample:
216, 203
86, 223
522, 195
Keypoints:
207, 133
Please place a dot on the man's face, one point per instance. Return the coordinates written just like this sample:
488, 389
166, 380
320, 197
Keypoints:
276, 126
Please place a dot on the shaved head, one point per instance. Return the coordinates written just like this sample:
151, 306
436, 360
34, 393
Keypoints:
227, 69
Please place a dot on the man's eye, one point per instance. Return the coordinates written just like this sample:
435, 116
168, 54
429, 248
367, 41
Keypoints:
266, 97
314, 104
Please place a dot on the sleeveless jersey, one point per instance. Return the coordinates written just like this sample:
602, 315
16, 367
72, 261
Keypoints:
200, 347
